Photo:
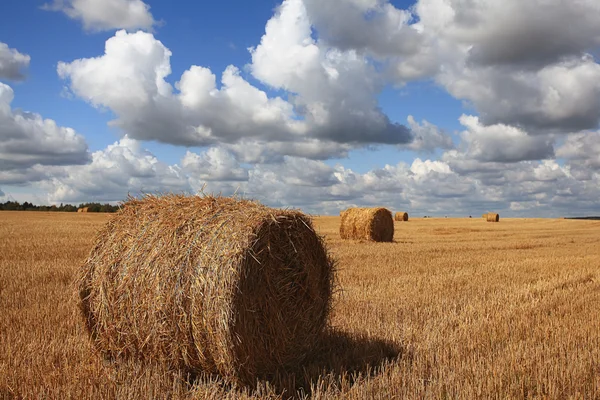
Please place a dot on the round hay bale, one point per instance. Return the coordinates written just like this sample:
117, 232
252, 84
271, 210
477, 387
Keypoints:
212, 284
484, 216
492, 217
374, 224
401, 216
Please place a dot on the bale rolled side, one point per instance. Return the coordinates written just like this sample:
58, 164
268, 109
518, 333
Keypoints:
492, 217
210, 284
401, 216
374, 224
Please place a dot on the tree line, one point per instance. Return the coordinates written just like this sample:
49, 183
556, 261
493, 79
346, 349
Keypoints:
26, 206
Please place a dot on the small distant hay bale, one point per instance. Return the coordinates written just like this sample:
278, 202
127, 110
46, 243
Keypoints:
207, 284
401, 216
80, 210
493, 217
375, 224
83, 210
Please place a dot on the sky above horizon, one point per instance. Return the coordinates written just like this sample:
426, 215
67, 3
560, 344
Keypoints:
436, 107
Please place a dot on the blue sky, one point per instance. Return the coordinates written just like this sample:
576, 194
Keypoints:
498, 123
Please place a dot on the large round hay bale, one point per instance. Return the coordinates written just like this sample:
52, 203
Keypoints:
492, 217
212, 284
401, 216
374, 224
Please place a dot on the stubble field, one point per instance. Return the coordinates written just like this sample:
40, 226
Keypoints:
454, 308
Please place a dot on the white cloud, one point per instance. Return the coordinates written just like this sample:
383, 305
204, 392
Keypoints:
122, 168
12, 63
582, 149
261, 152
104, 15
560, 97
532, 33
130, 77
27, 142
333, 89
518, 63
427, 137
452, 186
216, 164
502, 143
525, 64
376, 27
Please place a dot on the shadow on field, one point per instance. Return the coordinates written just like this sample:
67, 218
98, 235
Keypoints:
340, 359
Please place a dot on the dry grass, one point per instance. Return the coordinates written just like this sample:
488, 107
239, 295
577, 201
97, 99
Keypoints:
454, 308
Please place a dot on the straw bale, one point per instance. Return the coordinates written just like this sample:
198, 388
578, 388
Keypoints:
401, 216
492, 217
374, 224
484, 216
207, 284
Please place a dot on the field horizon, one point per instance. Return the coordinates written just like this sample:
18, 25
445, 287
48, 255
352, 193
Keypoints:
453, 308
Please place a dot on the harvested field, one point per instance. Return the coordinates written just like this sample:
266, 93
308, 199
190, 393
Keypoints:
453, 308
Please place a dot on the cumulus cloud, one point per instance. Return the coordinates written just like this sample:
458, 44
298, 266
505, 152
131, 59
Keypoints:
522, 64
216, 164
130, 77
464, 186
334, 90
12, 63
28, 142
582, 150
502, 143
122, 168
372, 26
427, 137
265, 152
562, 97
106, 14
522, 33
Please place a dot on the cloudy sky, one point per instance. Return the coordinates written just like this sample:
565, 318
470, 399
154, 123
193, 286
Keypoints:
438, 107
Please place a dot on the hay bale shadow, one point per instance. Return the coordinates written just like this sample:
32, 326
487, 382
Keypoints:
339, 357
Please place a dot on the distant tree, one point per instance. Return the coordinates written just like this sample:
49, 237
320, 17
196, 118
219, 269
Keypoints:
27, 206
